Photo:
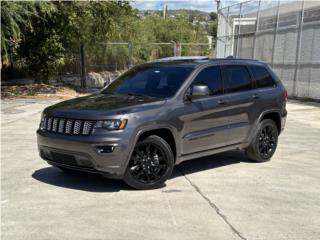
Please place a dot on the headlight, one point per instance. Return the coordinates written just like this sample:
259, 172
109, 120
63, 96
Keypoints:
114, 124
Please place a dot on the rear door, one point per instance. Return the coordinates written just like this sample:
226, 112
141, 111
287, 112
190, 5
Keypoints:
264, 85
239, 96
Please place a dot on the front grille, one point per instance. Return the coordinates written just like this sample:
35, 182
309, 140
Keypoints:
67, 126
70, 159
64, 159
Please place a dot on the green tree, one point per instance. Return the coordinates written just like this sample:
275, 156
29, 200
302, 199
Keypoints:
43, 37
13, 16
212, 29
16, 18
213, 16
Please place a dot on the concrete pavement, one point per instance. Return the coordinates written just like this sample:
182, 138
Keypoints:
218, 197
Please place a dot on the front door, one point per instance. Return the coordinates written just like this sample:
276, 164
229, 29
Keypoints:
204, 120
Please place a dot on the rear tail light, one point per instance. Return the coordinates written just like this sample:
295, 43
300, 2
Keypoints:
285, 94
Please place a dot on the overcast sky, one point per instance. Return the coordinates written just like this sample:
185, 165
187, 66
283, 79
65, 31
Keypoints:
202, 5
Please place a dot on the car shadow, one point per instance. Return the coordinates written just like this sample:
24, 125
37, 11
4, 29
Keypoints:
79, 180
96, 183
210, 162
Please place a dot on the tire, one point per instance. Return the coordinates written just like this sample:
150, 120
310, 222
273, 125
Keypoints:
264, 143
150, 164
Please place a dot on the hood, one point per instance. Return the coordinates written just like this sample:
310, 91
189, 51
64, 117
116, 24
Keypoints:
102, 105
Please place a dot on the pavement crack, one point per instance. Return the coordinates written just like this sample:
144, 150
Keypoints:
213, 205
173, 218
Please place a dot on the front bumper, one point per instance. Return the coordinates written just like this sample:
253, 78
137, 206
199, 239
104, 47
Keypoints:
82, 153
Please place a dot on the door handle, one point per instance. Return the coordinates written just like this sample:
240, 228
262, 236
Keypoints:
255, 96
222, 101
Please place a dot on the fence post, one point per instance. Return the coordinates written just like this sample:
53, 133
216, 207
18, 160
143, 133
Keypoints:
179, 49
130, 54
174, 48
238, 34
275, 34
83, 67
214, 47
297, 60
256, 31
226, 34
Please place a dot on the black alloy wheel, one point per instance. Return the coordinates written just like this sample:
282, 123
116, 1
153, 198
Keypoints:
267, 141
150, 165
264, 143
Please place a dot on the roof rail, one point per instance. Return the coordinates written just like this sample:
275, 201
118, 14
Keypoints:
181, 58
234, 58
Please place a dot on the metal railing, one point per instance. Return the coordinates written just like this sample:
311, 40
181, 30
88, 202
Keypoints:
283, 33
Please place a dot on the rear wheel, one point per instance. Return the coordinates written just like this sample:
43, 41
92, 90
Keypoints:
150, 165
264, 143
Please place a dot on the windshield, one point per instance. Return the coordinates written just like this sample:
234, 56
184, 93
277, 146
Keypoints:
153, 81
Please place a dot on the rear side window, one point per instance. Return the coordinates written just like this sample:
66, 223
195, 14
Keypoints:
261, 76
210, 77
236, 79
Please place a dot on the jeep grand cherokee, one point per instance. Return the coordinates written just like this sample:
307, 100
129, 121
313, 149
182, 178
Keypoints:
161, 113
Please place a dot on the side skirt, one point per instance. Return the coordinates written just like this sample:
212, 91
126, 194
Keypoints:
209, 152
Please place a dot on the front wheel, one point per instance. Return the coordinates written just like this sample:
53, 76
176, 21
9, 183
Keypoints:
264, 143
150, 165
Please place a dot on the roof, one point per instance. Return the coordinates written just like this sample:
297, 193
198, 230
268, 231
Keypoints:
200, 60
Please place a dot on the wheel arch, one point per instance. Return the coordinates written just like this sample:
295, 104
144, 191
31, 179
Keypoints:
273, 115
165, 133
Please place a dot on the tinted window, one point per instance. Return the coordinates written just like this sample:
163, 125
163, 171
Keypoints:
150, 80
262, 77
210, 77
236, 78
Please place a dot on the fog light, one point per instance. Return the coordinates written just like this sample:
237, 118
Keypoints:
105, 149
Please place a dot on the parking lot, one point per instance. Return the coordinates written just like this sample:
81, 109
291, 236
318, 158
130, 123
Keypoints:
218, 197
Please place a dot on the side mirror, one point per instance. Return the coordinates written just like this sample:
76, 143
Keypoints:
198, 91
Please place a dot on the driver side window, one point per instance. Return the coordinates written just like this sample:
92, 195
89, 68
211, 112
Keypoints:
210, 77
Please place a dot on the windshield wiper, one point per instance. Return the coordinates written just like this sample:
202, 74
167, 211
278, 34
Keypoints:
106, 92
136, 94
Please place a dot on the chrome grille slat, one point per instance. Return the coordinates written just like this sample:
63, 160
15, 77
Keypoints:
45, 122
55, 124
49, 125
61, 125
77, 127
86, 127
68, 126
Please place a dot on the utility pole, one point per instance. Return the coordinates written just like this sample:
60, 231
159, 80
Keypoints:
165, 10
218, 5
216, 40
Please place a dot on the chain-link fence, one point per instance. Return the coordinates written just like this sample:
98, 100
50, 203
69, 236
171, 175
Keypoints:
115, 56
284, 33
92, 67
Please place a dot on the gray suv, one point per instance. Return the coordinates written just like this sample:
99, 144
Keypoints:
161, 113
